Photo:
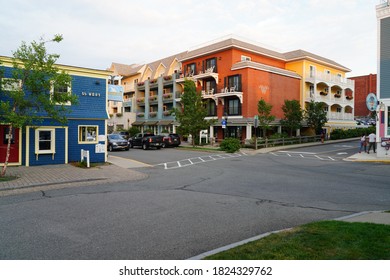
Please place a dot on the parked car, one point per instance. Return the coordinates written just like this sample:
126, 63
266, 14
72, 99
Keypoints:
117, 142
170, 140
124, 134
146, 141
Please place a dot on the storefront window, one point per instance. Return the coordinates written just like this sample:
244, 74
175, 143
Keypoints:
88, 134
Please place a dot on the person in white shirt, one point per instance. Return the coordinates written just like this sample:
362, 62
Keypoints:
363, 144
371, 141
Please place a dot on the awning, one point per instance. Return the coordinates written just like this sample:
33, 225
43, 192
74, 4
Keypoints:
150, 123
165, 122
138, 123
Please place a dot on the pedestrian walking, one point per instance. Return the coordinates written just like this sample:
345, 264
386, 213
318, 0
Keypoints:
363, 143
371, 142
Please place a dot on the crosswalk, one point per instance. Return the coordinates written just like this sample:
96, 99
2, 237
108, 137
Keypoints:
197, 160
303, 155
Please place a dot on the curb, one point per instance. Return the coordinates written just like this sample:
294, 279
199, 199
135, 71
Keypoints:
51, 183
236, 244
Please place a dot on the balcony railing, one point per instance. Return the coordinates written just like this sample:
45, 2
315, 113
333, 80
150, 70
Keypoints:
330, 78
343, 99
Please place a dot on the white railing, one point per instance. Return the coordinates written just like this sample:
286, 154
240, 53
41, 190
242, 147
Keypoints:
330, 78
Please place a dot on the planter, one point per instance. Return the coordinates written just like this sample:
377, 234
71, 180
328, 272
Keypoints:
152, 114
323, 93
140, 115
167, 113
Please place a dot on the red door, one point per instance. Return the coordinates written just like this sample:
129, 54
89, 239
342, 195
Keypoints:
14, 153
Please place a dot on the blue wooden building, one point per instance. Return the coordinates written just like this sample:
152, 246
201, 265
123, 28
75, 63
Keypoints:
54, 143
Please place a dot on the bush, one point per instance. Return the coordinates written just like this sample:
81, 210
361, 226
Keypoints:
351, 133
230, 145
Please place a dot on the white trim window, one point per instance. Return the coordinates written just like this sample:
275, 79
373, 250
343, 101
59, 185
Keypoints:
57, 91
88, 134
245, 58
45, 141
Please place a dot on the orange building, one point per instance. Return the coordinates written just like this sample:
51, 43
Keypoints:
233, 76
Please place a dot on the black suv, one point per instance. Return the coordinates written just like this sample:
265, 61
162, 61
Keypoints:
170, 139
117, 142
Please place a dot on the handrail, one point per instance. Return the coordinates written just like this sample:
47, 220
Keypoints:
265, 143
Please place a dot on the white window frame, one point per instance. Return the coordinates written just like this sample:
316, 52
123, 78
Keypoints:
80, 141
245, 58
52, 141
69, 91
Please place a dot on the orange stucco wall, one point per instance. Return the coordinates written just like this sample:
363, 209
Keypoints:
256, 84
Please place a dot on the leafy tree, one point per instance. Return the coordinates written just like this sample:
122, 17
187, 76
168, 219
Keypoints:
192, 115
315, 116
35, 89
293, 115
265, 117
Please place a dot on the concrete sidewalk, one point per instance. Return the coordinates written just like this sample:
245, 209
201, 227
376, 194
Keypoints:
35, 178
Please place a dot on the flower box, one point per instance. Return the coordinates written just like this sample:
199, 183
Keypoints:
153, 81
152, 114
167, 113
167, 95
349, 97
141, 100
140, 84
323, 93
337, 95
141, 115
167, 78
152, 98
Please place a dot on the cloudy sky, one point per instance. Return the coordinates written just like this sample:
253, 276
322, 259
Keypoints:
98, 32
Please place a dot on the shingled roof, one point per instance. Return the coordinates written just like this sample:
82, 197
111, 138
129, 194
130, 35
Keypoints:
301, 54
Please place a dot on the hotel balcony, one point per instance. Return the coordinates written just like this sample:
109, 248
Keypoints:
208, 73
226, 92
329, 98
330, 79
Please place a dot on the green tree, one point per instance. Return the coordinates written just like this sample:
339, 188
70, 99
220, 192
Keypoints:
293, 115
193, 112
35, 90
265, 117
315, 116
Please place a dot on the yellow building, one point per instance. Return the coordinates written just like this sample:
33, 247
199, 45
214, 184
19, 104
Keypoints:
324, 80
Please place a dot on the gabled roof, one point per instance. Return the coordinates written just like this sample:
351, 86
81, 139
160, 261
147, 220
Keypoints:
301, 54
126, 70
232, 43
166, 62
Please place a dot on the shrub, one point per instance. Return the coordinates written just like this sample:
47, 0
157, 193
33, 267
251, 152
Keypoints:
230, 145
351, 133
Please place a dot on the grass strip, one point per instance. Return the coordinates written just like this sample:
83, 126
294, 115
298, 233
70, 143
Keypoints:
326, 240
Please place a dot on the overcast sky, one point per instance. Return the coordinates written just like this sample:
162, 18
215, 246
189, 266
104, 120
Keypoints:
98, 32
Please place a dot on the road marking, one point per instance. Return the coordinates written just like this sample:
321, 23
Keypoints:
291, 152
196, 160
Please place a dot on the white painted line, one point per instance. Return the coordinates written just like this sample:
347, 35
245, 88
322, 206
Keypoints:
291, 152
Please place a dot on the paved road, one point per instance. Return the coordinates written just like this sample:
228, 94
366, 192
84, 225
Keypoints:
182, 212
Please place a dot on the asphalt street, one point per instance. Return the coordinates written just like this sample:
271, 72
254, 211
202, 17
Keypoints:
182, 212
